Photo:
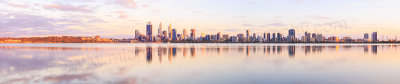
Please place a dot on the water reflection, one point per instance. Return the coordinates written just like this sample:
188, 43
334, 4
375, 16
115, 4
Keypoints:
91, 64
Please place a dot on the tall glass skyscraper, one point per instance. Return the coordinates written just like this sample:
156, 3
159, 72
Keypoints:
174, 35
170, 31
149, 29
374, 36
292, 35
160, 29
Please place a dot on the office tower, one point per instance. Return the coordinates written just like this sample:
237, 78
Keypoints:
374, 36
366, 37
174, 35
319, 38
273, 37
268, 37
137, 34
279, 37
307, 37
165, 33
193, 34
207, 38
170, 31
184, 34
178, 36
160, 29
247, 35
241, 37
218, 35
202, 36
264, 37
292, 35
149, 29
314, 35
254, 37
225, 37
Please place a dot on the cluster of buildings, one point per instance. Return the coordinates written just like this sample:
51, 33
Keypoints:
164, 35
172, 35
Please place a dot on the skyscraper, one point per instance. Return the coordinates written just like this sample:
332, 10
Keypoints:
268, 37
279, 37
184, 34
292, 35
366, 37
374, 36
149, 29
160, 29
307, 37
218, 35
264, 37
165, 34
273, 37
137, 34
193, 34
314, 35
247, 35
174, 37
170, 31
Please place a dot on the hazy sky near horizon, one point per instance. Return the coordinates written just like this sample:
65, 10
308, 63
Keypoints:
120, 18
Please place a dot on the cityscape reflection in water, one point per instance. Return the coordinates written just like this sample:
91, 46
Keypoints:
199, 63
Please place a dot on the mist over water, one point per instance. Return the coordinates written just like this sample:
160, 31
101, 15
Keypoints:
199, 63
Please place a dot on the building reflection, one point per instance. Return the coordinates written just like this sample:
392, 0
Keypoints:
279, 49
247, 51
193, 52
149, 54
366, 48
292, 50
184, 52
374, 49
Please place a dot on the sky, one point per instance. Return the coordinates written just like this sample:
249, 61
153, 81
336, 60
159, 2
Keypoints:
120, 18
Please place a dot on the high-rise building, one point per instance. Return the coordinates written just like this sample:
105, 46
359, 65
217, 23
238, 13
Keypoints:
374, 36
292, 35
149, 29
366, 37
254, 37
247, 35
174, 37
165, 33
184, 34
137, 34
268, 37
307, 37
319, 38
202, 36
219, 36
160, 32
241, 38
314, 35
170, 31
264, 37
193, 34
273, 39
279, 37
225, 37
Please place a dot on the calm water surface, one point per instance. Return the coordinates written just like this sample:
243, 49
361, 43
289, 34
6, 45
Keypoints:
199, 63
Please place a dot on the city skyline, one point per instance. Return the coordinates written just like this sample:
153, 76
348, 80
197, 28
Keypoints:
120, 18
265, 37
